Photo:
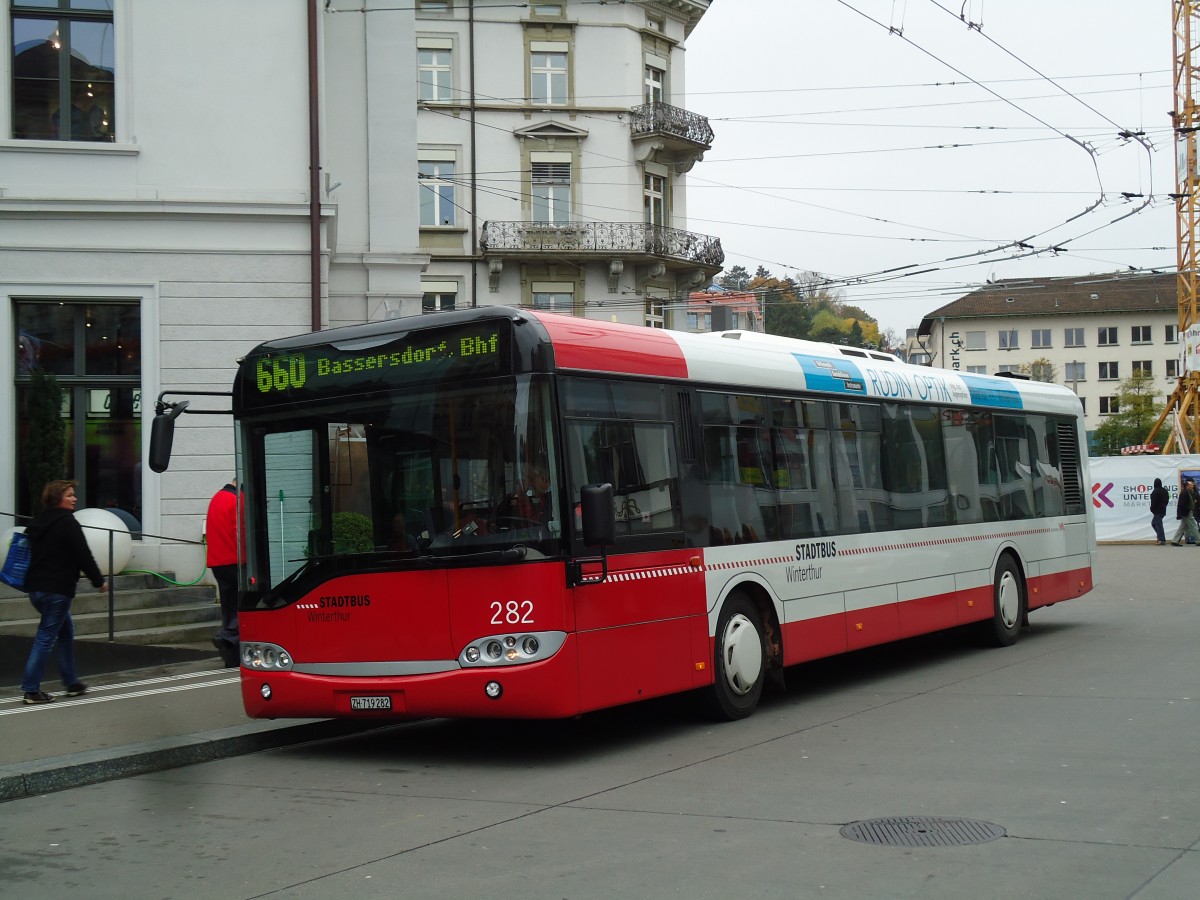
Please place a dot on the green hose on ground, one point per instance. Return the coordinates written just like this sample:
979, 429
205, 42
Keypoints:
164, 577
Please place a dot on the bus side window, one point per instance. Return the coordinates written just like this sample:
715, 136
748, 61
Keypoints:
803, 482
962, 466
738, 462
1014, 469
862, 501
914, 467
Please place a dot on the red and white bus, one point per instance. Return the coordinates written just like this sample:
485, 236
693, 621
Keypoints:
508, 513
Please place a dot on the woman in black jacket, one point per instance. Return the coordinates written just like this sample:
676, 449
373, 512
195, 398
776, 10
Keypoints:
58, 552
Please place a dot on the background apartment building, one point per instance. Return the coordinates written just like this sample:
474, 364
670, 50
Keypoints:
1092, 331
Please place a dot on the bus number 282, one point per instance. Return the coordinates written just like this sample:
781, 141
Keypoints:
514, 612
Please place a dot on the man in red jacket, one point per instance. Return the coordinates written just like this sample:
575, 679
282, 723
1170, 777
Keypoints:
225, 535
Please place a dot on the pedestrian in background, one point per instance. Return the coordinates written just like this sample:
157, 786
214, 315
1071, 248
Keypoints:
224, 535
1185, 512
1159, 497
58, 553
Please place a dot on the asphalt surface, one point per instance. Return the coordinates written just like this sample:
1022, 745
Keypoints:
150, 709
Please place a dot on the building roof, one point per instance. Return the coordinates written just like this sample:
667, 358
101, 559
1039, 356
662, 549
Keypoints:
1075, 296
742, 301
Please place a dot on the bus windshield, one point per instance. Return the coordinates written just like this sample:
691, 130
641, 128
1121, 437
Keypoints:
433, 472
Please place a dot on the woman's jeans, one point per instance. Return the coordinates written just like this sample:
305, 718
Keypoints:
55, 629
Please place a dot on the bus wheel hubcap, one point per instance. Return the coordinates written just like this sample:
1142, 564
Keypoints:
742, 654
1008, 599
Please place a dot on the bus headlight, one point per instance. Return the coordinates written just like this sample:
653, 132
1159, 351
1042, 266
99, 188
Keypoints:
265, 657
511, 649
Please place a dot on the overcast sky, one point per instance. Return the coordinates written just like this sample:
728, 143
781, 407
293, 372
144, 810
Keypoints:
859, 136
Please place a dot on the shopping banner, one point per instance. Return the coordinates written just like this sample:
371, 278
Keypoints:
1121, 488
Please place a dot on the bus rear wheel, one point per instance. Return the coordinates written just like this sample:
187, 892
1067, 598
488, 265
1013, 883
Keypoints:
740, 659
1008, 604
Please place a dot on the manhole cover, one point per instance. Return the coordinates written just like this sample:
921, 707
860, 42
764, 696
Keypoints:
922, 831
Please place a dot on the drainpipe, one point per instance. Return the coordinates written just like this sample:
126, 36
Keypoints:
474, 168
314, 170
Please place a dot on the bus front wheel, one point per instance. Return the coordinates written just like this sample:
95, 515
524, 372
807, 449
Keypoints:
1008, 604
740, 658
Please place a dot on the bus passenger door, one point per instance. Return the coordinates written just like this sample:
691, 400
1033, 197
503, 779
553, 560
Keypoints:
643, 631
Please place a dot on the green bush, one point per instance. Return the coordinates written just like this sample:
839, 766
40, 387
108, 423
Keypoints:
352, 533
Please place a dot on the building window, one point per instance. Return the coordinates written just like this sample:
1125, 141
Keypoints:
1140, 334
1008, 340
656, 313
1108, 406
976, 370
1108, 371
1083, 405
1074, 372
976, 340
94, 352
1041, 338
63, 59
1172, 368
1008, 369
653, 199
654, 85
437, 301
553, 296
1171, 335
433, 6
434, 73
1106, 337
436, 178
548, 10
1072, 337
548, 76
551, 192
1145, 366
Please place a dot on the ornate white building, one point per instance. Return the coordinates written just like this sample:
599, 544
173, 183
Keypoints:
552, 150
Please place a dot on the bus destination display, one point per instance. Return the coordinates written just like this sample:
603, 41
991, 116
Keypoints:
320, 371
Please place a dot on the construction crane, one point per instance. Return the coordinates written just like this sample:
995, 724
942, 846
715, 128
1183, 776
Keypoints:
1183, 406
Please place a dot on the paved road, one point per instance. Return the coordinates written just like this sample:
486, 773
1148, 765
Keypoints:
1078, 745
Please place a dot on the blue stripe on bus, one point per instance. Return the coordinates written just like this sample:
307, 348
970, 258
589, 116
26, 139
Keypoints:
987, 392
834, 375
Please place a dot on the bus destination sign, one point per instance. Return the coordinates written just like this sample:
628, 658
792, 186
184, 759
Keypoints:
326, 370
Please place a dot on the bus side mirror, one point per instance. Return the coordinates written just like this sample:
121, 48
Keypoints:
162, 434
596, 511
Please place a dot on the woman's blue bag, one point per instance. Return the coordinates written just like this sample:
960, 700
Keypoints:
17, 562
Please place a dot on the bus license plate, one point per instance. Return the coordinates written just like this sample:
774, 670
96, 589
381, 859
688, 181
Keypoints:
370, 702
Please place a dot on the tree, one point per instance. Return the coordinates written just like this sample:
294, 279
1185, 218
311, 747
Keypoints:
1041, 369
784, 313
1137, 409
44, 452
735, 279
788, 318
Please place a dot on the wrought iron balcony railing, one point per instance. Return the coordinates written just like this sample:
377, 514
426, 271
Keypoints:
661, 118
603, 238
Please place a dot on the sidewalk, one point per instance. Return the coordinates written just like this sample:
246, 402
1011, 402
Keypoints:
136, 718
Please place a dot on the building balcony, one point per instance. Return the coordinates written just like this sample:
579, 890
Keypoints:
670, 134
654, 248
